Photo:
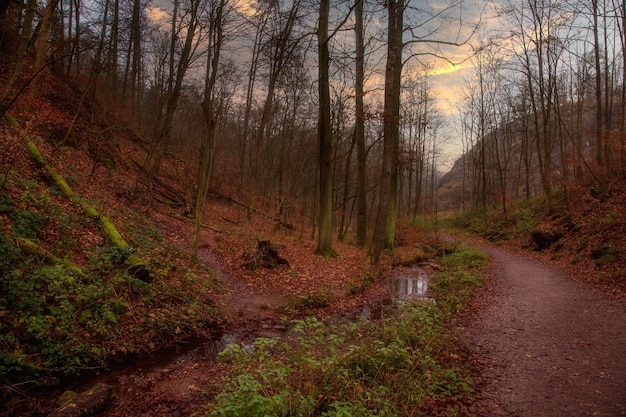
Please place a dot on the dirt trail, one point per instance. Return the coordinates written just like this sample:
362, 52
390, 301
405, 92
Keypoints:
545, 345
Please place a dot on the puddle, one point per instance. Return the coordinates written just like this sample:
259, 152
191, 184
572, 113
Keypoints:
404, 285
410, 283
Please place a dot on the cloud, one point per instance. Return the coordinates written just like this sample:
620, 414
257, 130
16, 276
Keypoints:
247, 7
157, 16
446, 68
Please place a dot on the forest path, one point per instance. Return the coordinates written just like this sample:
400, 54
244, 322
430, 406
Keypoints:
545, 345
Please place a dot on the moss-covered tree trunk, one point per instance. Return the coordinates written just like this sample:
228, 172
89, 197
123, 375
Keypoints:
136, 266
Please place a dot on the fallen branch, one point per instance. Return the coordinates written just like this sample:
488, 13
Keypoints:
262, 214
163, 188
136, 266
188, 220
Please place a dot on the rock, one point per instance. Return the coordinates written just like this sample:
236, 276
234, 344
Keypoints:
87, 404
545, 238
600, 251
606, 259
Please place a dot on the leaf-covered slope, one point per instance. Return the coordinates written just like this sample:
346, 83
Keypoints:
67, 300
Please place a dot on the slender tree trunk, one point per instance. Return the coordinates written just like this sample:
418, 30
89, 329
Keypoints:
98, 64
600, 132
157, 147
324, 242
343, 227
623, 92
282, 47
608, 95
74, 27
31, 8
359, 128
211, 115
384, 231
113, 50
244, 166
135, 72
77, 36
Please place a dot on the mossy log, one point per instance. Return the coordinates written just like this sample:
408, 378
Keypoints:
136, 266
89, 403
30, 246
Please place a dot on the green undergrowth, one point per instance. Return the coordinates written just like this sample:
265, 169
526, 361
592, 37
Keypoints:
67, 302
396, 366
495, 225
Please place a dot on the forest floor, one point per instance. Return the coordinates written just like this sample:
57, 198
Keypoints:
539, 342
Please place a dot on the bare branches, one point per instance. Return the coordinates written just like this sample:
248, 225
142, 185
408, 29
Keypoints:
433, 25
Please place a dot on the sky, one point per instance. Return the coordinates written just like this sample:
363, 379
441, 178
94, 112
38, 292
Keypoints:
447, 79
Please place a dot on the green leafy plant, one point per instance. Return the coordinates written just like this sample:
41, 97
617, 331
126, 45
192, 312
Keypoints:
389, 367
27, 223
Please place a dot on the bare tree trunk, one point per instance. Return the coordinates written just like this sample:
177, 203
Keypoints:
74, 25
31, 8
42, 43
282, 47
345, 213
324, 242
211, 114
135, 72
623, 95
384, 231
133, 56
600, 128
113, 50
359, 128
157, 147
252, 72
98, 65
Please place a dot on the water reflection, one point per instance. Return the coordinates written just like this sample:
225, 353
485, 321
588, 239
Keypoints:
409, 283
409, 286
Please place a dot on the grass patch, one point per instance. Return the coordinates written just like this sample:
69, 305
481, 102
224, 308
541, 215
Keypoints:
396, 366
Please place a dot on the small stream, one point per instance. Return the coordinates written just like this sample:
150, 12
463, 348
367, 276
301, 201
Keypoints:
182, 366
405, 284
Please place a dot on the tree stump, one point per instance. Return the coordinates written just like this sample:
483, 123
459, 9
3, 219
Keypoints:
265, 256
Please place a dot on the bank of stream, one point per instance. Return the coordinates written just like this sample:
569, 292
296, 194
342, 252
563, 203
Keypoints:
180, 377
184, 375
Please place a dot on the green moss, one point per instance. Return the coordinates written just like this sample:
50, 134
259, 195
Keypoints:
135, 265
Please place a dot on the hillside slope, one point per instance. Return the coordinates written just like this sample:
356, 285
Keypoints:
584, 235
68, 303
